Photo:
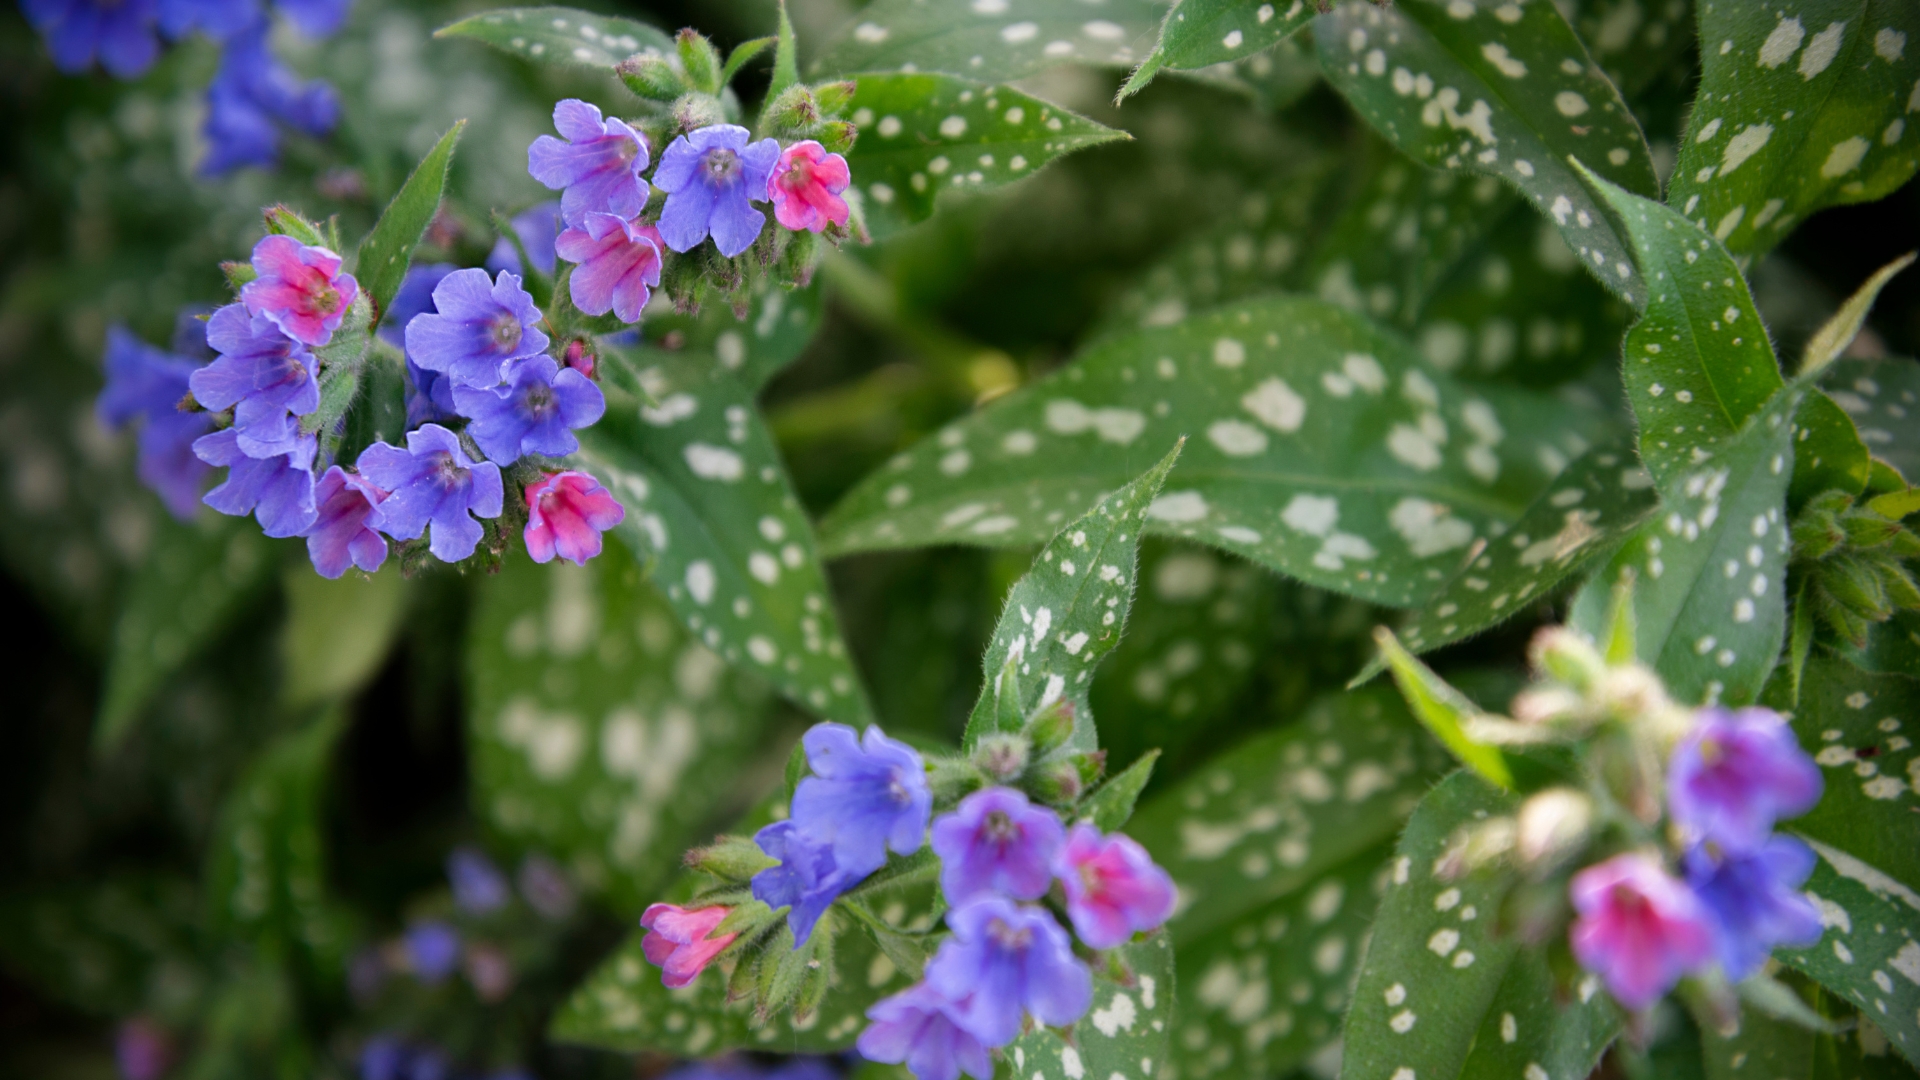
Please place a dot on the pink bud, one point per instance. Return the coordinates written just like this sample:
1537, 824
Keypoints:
677, 941
566, 513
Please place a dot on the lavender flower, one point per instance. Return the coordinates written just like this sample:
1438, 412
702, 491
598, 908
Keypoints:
1010, 959
146, 384
119, 33
1638, 928
478, 326
1113, 887
534, 413
536, 228
299, 288
429, 393
865, 795
920, 1028
252, 93
995, 841
433, 482
278, 490
566, 513
266, 378
598, 167
433, 949
478, 886
1735, 774
340, 536
806, 882
710, 177
1756, 901
615, 263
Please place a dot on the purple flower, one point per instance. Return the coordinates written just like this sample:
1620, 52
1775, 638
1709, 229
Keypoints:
433, 950
141, 1049
217, 18
599, 165
806, 882
1638, 928
710, 176
1756, 901
433, 482
534, 413
278, 491
478, 325
1735, 774
340, 536
478, 885
119, 33
864, 796
566, 513
1113, 887
315, 18
615, 262
251, 94
414, 297
266, 378
536, 227
920, 1028
996, 841
299, 288
146, 384
1010, 959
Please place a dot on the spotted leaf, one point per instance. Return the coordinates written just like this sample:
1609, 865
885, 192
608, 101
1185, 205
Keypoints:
1500, 88
1067, 613
1710, 607
384, 254
1828, 453
1124, 1034
1533, 1029
1883, 397
1322, 448
922, 134
991, 39
710, 508
598, 724
1201, 33
562, 36
1775, 1047
1637, 44
1261, 821
780, 323
1868, 954
1434, 964
1797, 110
1698, 364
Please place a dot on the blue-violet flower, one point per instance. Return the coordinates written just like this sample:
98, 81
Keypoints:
597, 169
1735, 774
920, 1027
433, 482
147, 384
1755, 900
340, 536
1005, 959
806, 882
477, 327
710, 176
535, 227
535, 412
251, 94
277, 490
996, 842
265, 377
119, 33
865, 796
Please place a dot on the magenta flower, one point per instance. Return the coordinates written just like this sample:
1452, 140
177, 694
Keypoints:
1010, 959
534, 412
919, 1027
677, 941
477, 327
300, 289
1113, 887
433, 482
598, 167
277, 490
1756, 901
340, 536
710, 176
865, 796
996, 841
566, 513
805, 187
1735, 774
1638, 928
615, 263
265, 377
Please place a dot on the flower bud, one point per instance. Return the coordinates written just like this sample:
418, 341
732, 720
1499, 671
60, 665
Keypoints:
1059, 783
694, 111
838, 135
794, 112
1631, 691
700, 60
1049, 727
834, 96
1546, 705
651, 76
1002, 756
1866, 529
730, 858
1853, 582
952, 778
1902, 591
1816, 534
1476, 848
1567, 656
1551, 827
580, 358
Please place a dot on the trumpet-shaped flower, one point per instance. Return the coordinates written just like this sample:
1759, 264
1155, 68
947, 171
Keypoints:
1004, 960
597, 168
806, 882
680, 943
1637, 927
340, 536
566, 513
805, 187
478, 326
616, 264
300, 288
265, 377
996, 842
1113, 887
118, 33
1735, 774
865, 795
433, 481
1755, 900
920, 1028
710, 177
535, 412
277, 490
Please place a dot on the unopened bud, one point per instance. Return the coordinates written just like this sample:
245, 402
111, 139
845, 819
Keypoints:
1854, 583
731, 858
700, 60
692, 112
579, 358
651, 76
1630, 691
1902, 590
1551, 827
953, 778
1567, 656
794, 112
1545, 705
1866, 529
1058, 783
1049, 727
1001, 755
1816, 534
838, 135
1476, 848
834, 96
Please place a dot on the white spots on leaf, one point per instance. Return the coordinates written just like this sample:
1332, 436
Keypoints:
1019, 442
870, 33
1015, 33
1708, 130
1395, 995
1907, 962
1821, 50
1178, 507
1413, 447
1533, 1071
1428, 528
1233, 39
953, 127
1570, 103
1102, 30
1229, 353
1314, 515
889, 126
1070, 1063
989, 7
1275, 404
1444, 941
1782, 43
1236, 438
674, 409
762, 650
763, 567
1890, 45
1115, 425
1118, 1016
1402, 1021
1507, 65
1509, 1028
1364, 371
989, 526
955, 462
1844, 157
700, 581
1744, 144
714, 462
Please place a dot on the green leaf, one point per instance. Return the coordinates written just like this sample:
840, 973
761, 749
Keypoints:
192, 583
1638, 44
1067, 613
1883, 397
780, 323
387, 251
1268, 989
379, 413
1854, 723
990, 39
1125, 1033
1506, 90
117, 946
1827, 451
1436, 962
337, 632
742, 55
1592, 507
1773, 1047
1839, 331
1869, 954
1111, 805
1530, 1031
1797, 110
786, 70
1893, 648
562, 36
1263, 819
922, 134
601, 731
1698, 365
1200, 33
1330, 453
1709, 602
1444, 710
712, 511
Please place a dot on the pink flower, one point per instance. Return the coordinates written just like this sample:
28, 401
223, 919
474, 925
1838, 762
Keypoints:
566, 513
615, 263
1113, 887
677, 941
805, 187
1638, 928
299, 289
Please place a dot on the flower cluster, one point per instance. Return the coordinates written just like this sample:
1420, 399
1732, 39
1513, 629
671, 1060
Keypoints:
252, 95
1007, 867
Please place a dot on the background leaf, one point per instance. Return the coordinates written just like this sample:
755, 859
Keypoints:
991, 39
384, 255
1869, 954
1126, 1031
562, 36
1883, 397
1200, 33
337, 632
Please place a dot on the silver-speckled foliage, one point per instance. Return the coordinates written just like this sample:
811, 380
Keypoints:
562, 36
1870, 953
991, 39
1124, 1033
